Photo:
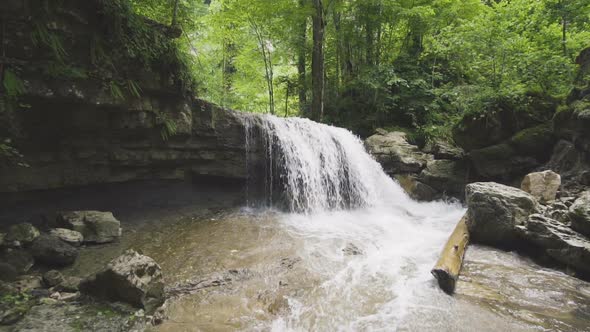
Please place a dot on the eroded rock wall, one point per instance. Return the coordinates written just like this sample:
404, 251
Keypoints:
77, 129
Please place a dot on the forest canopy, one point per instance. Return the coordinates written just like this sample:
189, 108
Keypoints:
362, 64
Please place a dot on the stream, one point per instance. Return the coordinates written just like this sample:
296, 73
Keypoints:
342, 248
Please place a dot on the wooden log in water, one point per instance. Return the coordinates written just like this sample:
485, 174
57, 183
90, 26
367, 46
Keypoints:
447, 269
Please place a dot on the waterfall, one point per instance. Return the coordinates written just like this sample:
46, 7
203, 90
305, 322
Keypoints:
311, 167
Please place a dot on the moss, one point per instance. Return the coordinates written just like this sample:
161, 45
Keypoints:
536, 141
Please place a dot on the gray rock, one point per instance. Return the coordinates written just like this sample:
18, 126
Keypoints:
69, 284
559, 241
72, 237
444, 150
12, 315
95, 226
352, 250
2, 237
579, 214
52, 278
416, 189
132, 278
27, 283
395, 154
52, 251
7, 272
495, 210
542, 185
445, 176
24, 233
501, 161
20, 259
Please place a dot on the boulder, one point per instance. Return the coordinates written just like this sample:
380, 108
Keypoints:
445, 176
495, 210
132, 278
536, 141
573, 124
23, 233
568, 161
416, 189
559, 241
395, 154
20, 259
95, 226
52, 251
444, 150
7, 272
52, 278
501, 161
579, 214
68, 284
542, 185
502, 120
2, 237
67, 235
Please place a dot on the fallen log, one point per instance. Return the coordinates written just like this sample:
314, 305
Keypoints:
447, 269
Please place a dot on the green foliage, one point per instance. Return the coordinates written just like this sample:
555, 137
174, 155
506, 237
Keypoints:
167, 125
421, 64
13, 85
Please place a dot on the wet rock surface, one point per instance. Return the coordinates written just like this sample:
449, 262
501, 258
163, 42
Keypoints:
395, 154
559, 241
132, 278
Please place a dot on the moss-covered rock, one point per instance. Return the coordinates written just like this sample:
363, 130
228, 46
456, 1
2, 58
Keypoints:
501, 162
503, 120
536, 141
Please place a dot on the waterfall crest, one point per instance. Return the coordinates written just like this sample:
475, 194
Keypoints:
312, 167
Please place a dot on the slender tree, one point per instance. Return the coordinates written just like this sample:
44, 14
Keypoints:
317, 61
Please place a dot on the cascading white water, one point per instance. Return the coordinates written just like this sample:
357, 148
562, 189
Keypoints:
341, 195
321, 167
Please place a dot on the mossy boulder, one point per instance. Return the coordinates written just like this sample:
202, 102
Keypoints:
501, 162
536, 141
503, 120
573, 123
24, 234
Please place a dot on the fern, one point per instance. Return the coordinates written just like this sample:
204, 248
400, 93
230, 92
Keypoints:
42, 36
116, 91
133, 88
168, 126
13, 85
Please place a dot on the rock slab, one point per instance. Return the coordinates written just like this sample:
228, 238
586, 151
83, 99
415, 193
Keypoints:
132, 278
495, 210
395, 154
95, 226
579, 213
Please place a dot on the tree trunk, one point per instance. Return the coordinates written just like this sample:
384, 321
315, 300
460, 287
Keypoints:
175, 13
447, 269
301, 65
563, 35
317, 62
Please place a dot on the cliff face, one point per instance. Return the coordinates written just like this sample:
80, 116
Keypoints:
78, 120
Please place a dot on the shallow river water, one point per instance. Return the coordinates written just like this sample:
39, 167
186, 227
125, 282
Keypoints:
362, 270
354, 254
